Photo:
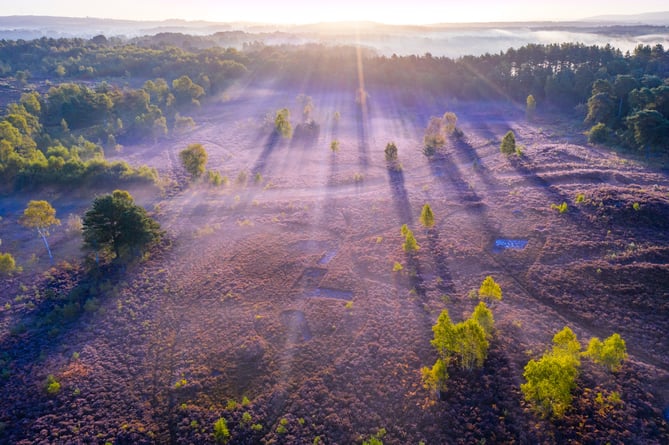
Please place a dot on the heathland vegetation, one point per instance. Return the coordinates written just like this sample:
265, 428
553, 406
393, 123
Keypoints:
290, 293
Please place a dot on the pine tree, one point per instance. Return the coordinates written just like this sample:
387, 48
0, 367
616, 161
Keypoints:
426, 216
508, 146
410, 244
490, 290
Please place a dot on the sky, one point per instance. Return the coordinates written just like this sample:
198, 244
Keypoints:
314, 11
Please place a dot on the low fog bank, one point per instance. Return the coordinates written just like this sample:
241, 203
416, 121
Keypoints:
451, 40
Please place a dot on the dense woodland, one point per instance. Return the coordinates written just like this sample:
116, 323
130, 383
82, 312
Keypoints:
61, 134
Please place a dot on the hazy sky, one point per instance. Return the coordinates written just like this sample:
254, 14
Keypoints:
310, 11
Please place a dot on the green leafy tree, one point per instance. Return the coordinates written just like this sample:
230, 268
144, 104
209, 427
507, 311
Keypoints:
404, 230
186, 91
650, 128
116, 223
610, 353
471, 344
490, 290
508, 145
483, 316
40, 215
282, 123
443, 336
434, 137
391, 152
194, 159
550, 382
435, 377
426, 216
565, 342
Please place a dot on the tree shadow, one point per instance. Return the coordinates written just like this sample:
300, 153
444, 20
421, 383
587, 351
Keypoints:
270, 145
445, 279
444, 169
362, 123
400, 196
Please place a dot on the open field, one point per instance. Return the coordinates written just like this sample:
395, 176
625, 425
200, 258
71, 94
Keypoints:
281, 288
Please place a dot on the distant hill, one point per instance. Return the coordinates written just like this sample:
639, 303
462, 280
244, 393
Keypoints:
647, 18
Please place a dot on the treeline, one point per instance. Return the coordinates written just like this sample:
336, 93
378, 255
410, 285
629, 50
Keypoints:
59, 137
99, 57
623, 95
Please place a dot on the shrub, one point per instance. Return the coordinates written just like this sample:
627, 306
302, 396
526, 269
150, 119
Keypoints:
562, 208
182, 123
334, 146
214, 178
397, 267
221, 431
434, 137
282, 123
391, 152
435, 378
508, 145
610, 353
531, 107
7, 264
51, 386
242, 177
490, 290
194, 159
598, 134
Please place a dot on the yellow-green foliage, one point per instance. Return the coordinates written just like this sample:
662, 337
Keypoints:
410, 244
434, 378
391, 152
465, 341
426, 216
397, 267
531, 107
483, 317
566, 342
52, 386
334, 146
221, 431
194, 159
551, 379
562, 208
7, 264
282, 123
610, 353
490, 290
508, 145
